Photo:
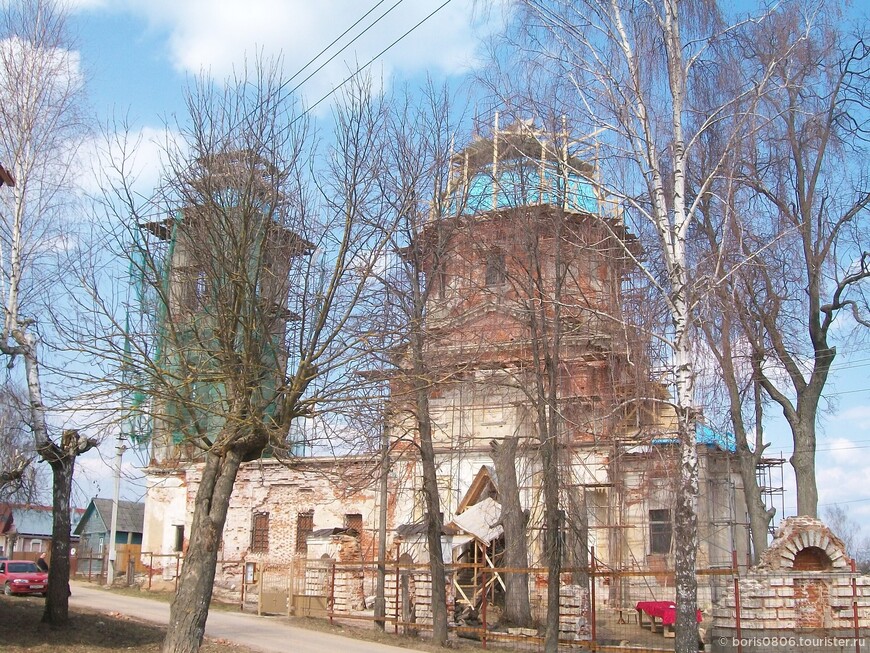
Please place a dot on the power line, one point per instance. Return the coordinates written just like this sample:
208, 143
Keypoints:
335, 40
379, 54
835, 503
345, 47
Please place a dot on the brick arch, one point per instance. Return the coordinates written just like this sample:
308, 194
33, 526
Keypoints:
806, 539
812, 558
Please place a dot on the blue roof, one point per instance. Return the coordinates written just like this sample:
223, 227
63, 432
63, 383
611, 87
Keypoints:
705, 435
527, 188
37, 521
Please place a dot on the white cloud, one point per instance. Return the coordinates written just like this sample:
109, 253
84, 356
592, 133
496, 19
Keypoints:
139, 154
217, 35
855, 418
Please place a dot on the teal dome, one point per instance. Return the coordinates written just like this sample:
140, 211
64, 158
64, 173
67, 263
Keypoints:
526, 184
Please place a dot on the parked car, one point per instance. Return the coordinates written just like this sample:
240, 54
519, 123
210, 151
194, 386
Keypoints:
22, 577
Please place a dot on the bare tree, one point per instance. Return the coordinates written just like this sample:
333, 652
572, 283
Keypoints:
803, 206
719, 257
633, 68
250, 273
415, 187
40, 127
847, 529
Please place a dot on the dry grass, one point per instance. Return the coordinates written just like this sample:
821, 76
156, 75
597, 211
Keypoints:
21, 630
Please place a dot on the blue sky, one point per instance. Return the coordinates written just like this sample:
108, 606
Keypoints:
137, 56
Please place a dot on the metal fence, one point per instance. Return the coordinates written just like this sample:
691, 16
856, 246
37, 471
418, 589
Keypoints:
599, 609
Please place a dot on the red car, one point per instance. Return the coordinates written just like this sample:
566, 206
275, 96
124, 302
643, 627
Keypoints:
22, 577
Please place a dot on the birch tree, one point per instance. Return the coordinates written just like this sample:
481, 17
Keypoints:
633, 66
41, 124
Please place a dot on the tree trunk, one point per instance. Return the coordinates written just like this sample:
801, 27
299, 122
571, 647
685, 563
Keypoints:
579, 541
380, 589
517, 610
759, 515
686, 517
61, 459
552, 542
434, 524
803, 460
190, 607
57, 602
686, 542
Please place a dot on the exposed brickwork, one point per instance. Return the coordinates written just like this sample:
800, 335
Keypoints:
798, 533
774, 596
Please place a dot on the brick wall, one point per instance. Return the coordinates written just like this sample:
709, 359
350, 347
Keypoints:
783, 597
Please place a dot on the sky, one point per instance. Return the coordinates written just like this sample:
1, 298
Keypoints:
138, 55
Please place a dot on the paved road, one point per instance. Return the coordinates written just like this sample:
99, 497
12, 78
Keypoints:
267, 634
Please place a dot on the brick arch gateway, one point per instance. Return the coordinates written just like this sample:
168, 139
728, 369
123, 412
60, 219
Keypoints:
802, 590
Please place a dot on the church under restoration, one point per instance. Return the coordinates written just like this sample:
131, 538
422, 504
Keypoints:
529, 272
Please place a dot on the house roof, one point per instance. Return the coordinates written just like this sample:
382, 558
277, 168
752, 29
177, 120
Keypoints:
31, 520
706, 435
411, 531
131, 515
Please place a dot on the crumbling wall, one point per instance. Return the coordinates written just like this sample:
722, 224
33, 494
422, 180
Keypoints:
165, 509
784, 601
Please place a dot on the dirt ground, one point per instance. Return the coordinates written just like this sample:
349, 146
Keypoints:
21, 630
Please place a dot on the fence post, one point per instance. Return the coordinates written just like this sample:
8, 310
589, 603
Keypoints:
592, 594
855, 607
150, 568
396, 622
483, 591
291, 587
261, 572
177, 564
331, 590
736, 574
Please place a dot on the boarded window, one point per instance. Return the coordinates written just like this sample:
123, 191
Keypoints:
660, 530
354, 522
260, 533
179, 538
304, 526
495, 268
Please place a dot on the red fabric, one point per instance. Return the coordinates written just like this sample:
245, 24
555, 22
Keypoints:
664, 610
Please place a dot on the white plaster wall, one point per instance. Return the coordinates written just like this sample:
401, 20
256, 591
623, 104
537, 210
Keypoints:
165, 508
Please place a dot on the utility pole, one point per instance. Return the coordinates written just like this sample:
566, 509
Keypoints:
380, 591
113, 552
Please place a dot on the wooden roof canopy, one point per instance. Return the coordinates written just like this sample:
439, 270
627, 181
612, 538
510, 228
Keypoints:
6, 177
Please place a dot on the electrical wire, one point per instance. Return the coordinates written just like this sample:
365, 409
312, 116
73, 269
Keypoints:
369, 62
345, 47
